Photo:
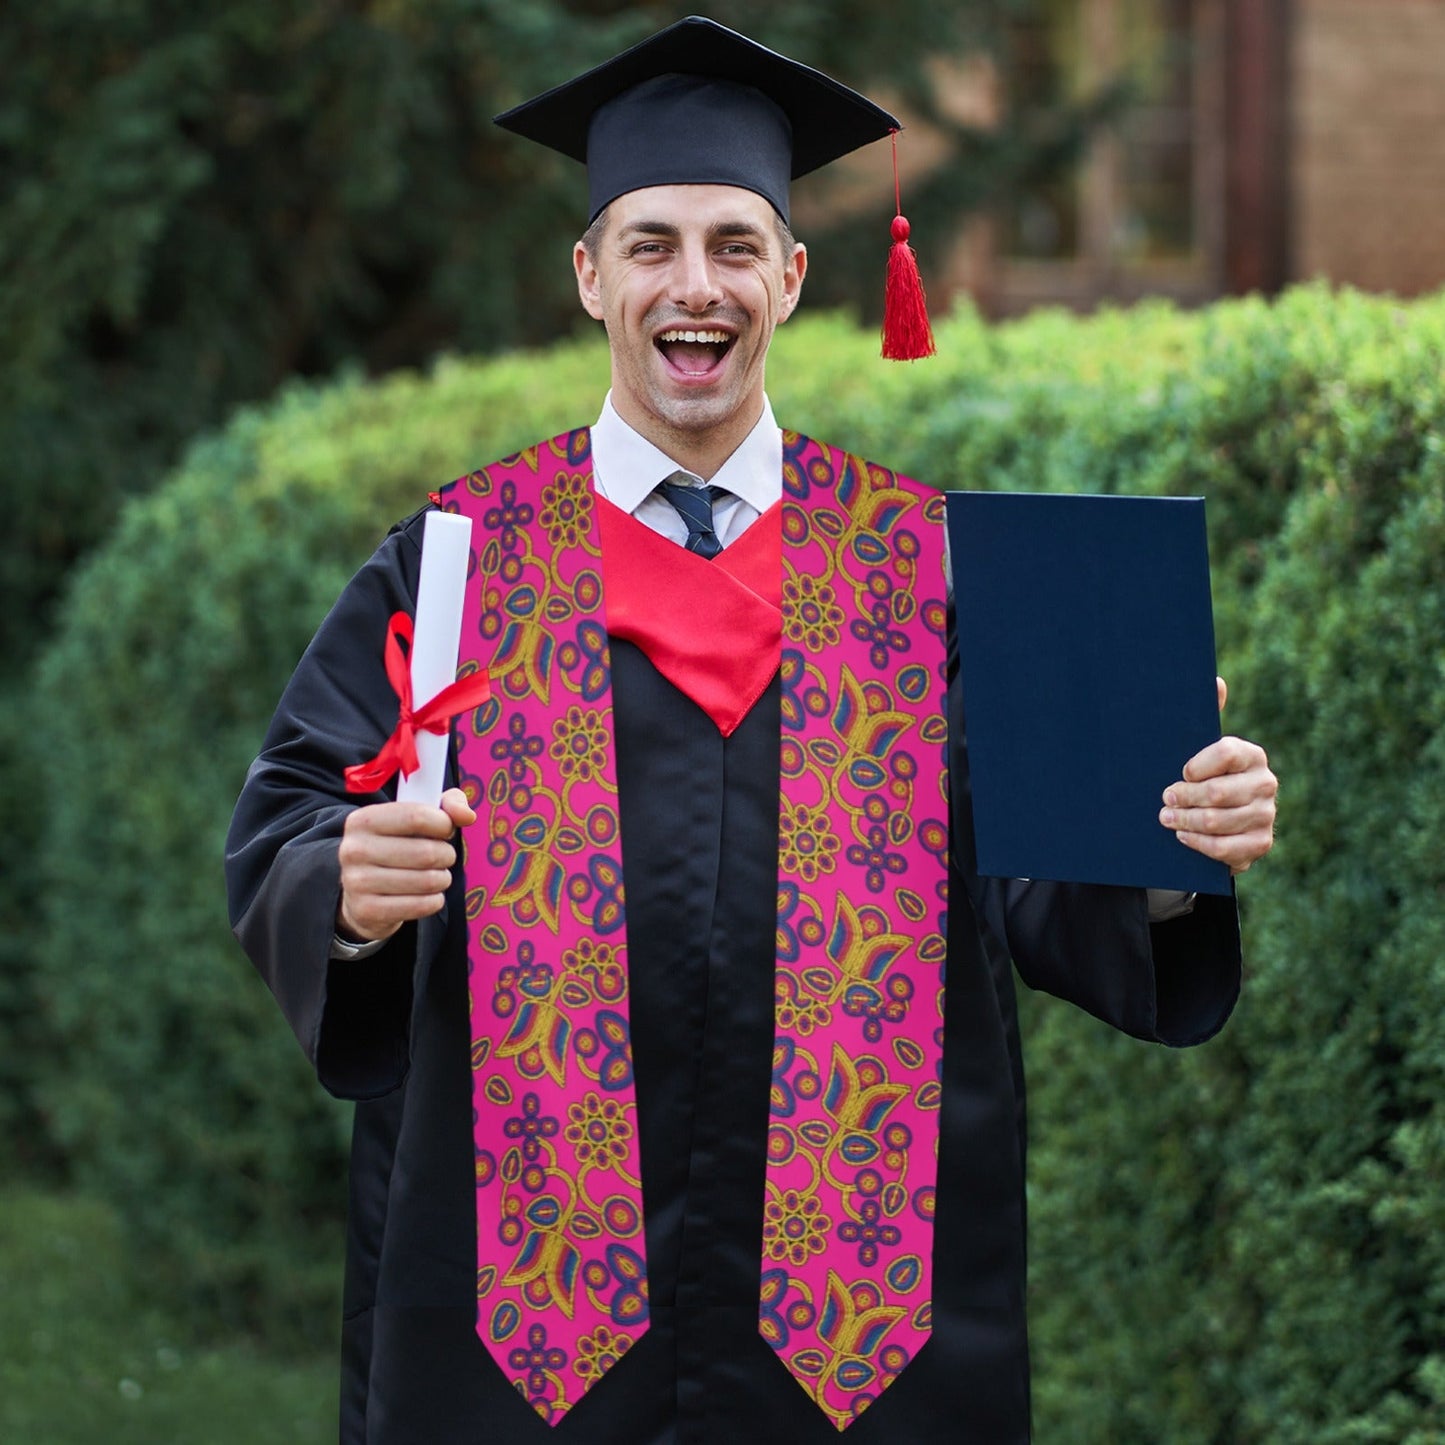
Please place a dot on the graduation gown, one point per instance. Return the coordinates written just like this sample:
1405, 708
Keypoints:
699, 819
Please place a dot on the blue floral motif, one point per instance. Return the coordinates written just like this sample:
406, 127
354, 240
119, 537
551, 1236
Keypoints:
784, 1103
586, 653
507, 517
538, 1359
797, 923
792, 674
531, 1126
800, 477
520, 981
876, 1008
592, 645
612, 1039
878, 630
788, 947
607, 912
623, 1268
891, 1362
579, 446
869, 1232
602, 892
518, 748
877, 858
775, 1322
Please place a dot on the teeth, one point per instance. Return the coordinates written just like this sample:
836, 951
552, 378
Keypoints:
718, 337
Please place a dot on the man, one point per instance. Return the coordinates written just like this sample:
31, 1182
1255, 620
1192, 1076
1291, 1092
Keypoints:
719, 1181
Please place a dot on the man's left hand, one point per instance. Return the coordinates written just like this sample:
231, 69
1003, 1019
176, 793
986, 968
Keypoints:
1224, 805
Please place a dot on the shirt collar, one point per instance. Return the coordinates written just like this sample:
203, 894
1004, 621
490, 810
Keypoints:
628, 467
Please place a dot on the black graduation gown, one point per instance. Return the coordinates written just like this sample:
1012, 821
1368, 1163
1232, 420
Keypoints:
699, 817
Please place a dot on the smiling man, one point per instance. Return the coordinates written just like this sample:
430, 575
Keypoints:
668, 1131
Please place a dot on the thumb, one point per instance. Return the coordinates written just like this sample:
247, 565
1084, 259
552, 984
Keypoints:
454, 804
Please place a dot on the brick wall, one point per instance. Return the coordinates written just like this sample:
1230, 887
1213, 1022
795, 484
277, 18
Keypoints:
1367, 145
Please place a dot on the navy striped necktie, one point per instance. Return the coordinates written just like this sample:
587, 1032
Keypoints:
694, 505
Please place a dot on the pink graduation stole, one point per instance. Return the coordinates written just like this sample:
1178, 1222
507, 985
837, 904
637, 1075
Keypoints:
846, 1273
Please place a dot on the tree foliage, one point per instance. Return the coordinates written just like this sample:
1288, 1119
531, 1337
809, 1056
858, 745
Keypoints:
197, 202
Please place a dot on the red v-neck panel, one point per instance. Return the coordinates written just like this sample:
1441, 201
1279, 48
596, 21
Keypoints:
714, 628
756, 560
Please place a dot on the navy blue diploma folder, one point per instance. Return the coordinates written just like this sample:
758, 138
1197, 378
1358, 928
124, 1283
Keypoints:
1086, 649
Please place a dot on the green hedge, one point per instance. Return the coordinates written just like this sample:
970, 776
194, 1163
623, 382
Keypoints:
1240, 1244
86, 1357
170, 1086
1244, 1244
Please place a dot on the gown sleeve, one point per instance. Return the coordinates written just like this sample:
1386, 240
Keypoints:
283, 874
1093, 945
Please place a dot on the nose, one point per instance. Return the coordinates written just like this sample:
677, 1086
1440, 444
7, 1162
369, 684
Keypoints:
696, 287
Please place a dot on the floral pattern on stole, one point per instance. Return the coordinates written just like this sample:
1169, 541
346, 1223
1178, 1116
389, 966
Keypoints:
863, 837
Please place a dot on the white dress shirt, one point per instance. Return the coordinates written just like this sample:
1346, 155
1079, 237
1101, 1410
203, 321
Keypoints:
626, 469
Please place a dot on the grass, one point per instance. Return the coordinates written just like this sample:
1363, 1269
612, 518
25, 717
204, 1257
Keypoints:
82, 1359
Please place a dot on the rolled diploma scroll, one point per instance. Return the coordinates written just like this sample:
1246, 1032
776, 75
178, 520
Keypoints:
445, 546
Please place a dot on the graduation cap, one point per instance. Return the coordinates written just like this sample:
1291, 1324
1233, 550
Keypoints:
699, 104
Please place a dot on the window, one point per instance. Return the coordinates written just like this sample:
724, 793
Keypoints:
1143, 211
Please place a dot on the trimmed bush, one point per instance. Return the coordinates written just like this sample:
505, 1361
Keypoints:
1239, 1244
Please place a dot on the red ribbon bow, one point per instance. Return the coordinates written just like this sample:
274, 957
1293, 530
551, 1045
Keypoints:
398, 753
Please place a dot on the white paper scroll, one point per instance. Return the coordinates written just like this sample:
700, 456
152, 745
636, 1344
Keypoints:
446, 540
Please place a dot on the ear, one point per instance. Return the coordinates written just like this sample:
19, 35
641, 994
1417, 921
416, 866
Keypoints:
589, 284
794, 269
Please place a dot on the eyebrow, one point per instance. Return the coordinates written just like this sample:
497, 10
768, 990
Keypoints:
666, 230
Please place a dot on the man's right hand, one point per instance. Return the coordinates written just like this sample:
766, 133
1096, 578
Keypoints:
396, 862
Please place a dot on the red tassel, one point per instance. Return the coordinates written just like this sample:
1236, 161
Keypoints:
907, 336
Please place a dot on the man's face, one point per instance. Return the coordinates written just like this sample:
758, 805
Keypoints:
690, 282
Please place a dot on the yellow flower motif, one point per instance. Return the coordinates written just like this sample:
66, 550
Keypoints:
599, 1351
793, 1227
799, 1012
579, 744
598, 1132
810, 613
566, 510
806, 842
599, 966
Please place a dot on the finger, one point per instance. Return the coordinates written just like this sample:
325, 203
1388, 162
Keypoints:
1223, 822
400, 820
1228, 755
1222, 688
385, 850
1239, 850
455, 805
373, 880
371, 917
1228, 790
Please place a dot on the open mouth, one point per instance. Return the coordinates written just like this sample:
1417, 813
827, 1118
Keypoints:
694, 353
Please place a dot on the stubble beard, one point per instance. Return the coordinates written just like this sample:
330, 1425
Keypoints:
692, 415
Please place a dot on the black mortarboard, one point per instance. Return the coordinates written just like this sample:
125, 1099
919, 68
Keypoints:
699, 104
